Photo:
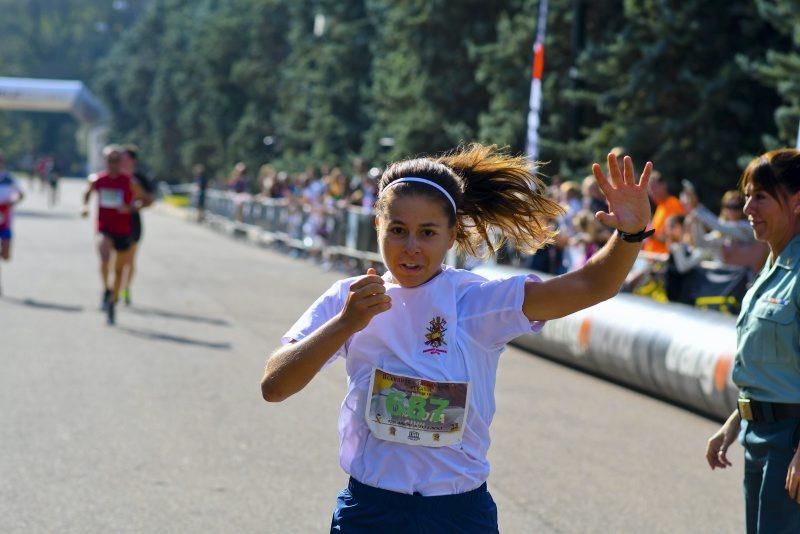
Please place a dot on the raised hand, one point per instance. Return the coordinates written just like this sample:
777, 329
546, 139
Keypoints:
367, 299
628, 204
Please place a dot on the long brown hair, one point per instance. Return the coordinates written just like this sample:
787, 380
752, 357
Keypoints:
491, 189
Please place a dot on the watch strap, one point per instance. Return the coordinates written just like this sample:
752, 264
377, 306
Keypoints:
635, 238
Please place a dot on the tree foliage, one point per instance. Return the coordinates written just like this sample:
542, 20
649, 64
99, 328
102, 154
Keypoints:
779, 68
694, 85
57, 39
668, 87
424, 94
321, 93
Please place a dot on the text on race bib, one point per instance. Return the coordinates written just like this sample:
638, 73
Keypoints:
416, 411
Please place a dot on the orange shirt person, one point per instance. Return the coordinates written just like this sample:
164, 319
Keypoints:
666, 206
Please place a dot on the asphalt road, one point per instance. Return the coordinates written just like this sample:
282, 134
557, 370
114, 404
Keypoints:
157, 424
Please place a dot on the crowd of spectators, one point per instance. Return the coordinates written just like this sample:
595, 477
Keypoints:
320, 206
326, 187
695, 256
691, 248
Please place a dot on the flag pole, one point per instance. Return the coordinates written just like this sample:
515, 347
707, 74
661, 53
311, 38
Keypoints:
535, 102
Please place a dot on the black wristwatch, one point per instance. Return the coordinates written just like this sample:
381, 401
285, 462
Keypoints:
635, 238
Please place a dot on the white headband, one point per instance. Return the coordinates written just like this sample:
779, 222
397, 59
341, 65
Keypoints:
423, 181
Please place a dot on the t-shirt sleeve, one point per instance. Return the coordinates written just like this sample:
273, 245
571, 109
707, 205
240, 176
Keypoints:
491, 311
327, 306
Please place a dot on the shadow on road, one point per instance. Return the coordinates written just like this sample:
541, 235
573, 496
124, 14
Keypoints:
161, 336
45, 214
44, 305
138, 310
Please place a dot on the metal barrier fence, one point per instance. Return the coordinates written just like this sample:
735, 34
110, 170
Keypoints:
329, 230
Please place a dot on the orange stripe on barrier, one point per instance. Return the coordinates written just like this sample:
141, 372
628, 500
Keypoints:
584, 333
722, 369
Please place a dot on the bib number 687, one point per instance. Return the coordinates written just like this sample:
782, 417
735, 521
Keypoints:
415, 407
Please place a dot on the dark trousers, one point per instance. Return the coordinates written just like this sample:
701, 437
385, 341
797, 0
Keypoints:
365, 509
768, 450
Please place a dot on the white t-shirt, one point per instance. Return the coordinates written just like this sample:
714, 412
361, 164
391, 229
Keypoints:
480, 316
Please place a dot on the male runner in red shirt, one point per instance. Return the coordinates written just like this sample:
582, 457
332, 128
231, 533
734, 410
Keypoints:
116, 193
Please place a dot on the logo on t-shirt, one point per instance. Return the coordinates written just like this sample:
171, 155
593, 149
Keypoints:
435, 336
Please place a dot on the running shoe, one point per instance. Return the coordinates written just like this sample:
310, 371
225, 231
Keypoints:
110, 319
126, 296
106, 299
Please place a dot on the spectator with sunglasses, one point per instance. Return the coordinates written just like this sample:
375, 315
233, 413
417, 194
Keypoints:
719, 235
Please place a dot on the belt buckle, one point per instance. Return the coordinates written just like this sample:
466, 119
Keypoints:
745, 409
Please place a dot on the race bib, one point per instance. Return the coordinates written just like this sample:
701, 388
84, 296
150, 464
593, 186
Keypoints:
111, 198
415, 411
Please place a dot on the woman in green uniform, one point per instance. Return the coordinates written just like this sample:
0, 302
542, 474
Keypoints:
767, 364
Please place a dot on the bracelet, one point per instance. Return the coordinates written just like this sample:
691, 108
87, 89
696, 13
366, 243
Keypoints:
635, 238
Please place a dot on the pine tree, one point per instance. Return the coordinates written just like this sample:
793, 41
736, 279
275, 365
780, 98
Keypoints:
780, 69
669, 89
258, 73
321, 112
424, 93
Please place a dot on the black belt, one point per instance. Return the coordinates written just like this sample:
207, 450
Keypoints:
768, 412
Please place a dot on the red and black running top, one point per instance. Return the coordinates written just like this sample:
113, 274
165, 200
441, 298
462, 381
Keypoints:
115, 199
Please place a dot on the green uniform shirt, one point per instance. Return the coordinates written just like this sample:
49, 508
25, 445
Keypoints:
767, 363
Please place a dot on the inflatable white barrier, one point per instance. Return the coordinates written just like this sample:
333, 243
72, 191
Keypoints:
671, 350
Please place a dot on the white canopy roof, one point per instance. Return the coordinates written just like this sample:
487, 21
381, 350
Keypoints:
69, 96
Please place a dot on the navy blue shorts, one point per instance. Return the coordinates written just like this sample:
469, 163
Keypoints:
365, 509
